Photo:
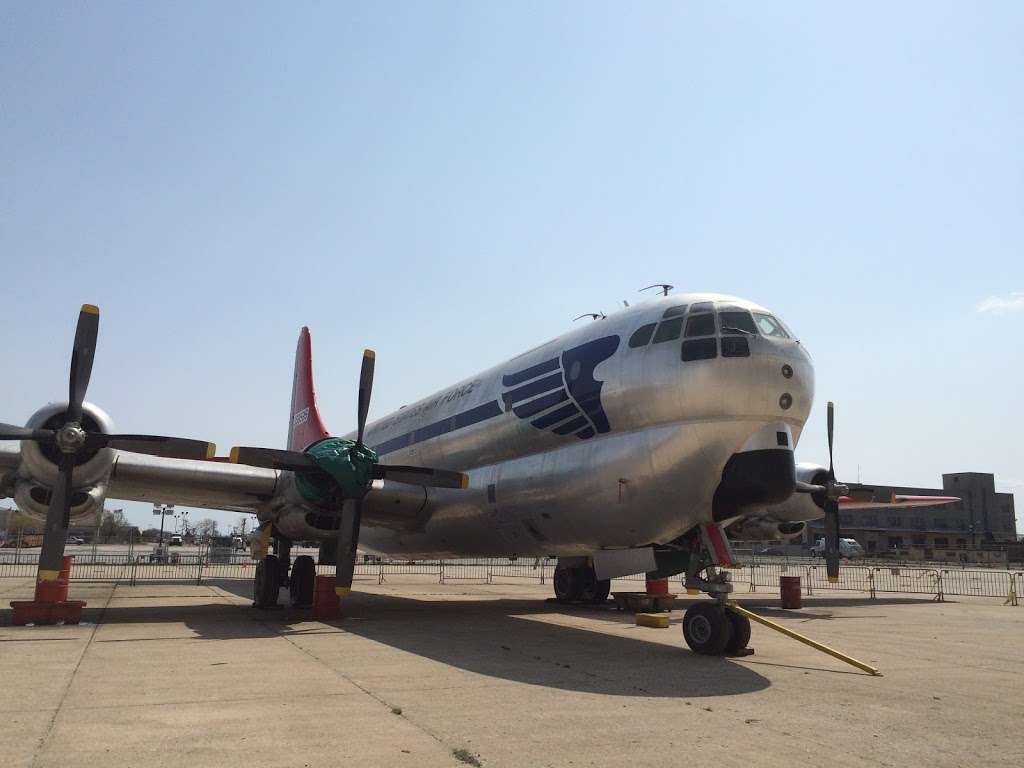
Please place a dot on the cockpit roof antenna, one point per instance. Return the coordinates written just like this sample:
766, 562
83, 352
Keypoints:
665, 288
592, 316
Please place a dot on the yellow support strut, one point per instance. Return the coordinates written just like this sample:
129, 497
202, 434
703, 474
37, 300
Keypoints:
806, 640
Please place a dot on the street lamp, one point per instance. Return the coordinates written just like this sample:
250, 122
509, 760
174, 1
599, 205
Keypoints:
162, 510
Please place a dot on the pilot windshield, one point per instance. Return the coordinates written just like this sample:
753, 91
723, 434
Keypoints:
769, 326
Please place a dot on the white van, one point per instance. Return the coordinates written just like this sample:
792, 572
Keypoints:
847, 548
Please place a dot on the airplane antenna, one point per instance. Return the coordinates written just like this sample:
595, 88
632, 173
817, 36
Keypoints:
665, 288
625, 304
592, 316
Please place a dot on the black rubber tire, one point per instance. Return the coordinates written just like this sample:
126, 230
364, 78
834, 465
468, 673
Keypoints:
267, 583
566, 583
740, 633
596, 592
706, 629
303, 578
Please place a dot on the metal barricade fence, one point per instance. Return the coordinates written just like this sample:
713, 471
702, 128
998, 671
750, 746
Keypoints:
754, 574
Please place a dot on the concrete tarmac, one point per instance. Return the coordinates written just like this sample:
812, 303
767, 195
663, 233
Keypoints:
423, 674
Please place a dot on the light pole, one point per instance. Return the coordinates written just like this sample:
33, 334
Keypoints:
163, 510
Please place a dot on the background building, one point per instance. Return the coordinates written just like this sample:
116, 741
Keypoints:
980, 519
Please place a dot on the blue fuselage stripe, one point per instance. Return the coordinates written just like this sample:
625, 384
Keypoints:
442, 427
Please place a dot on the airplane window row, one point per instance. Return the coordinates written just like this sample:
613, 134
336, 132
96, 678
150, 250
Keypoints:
733, 322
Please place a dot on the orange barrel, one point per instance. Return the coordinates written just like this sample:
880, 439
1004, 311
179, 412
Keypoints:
789, 588
65, 576
657, 586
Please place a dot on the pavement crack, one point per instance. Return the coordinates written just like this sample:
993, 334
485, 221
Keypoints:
37, 754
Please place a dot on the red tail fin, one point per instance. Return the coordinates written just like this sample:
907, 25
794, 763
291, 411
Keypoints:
306, 426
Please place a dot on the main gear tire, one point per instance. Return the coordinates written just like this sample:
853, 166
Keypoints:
707, 629
267, 583
303, 578
566, 583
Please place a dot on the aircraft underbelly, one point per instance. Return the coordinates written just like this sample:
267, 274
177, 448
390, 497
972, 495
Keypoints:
621, 490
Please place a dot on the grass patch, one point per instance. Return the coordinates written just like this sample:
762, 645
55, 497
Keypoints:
467, 757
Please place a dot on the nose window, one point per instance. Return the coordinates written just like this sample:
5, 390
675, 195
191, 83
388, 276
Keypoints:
769, 326
700, 325
736, 322
669, 330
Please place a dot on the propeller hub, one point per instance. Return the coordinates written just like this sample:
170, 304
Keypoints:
70, 438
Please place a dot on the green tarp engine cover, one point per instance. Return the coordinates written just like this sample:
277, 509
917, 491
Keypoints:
348, 465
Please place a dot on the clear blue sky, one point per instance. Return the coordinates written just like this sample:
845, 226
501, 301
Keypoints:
451, 183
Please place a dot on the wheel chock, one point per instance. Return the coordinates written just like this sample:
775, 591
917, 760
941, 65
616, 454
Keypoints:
655, 620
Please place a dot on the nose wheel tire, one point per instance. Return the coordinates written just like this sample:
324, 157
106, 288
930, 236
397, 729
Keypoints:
300, 586
740, 633
267, 583
707, 629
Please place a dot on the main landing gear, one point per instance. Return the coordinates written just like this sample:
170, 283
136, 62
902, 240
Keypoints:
272, 573
575, 582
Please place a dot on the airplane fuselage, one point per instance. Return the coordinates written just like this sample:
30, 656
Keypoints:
626, 431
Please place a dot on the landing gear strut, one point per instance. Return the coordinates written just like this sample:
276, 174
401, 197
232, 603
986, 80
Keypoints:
711, 628
577, 584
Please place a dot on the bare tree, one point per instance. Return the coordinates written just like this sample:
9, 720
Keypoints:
206, 528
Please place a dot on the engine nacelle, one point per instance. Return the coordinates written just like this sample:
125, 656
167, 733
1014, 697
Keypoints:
37, 473
758, 528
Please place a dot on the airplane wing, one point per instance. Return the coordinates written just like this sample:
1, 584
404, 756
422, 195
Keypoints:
896, 500
880, 497
206, 484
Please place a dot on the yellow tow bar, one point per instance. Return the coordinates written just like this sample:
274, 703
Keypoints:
806, 640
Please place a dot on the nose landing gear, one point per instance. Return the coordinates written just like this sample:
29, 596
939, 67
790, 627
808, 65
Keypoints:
710, 628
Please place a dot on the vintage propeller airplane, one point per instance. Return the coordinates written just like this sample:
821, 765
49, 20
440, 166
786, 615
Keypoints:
639, 442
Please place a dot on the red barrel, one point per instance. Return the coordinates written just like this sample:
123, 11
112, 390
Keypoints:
657, 586
789, 588
325, 601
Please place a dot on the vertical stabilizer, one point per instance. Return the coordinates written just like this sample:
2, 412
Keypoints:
305, 426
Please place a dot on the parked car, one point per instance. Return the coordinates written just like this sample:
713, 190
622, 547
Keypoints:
847, 548
75, 540
176, 541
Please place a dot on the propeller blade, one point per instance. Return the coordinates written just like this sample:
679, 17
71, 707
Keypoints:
272, 458
832, 539
831, 430
11, 432
155, 445
348, 542
424, 476
365, 390
57, 518
81, 359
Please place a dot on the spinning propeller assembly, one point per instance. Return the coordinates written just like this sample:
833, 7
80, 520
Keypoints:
73, 439
333, 468
829, 494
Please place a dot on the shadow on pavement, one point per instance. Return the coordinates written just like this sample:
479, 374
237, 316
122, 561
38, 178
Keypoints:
509, 639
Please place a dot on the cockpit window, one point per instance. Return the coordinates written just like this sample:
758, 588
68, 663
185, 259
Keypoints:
641, 335
700, 325
736, 322
669, 330
676, 311
769, 326
702, 306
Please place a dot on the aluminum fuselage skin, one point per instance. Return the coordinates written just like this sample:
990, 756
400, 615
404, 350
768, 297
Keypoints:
652, 434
